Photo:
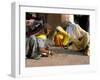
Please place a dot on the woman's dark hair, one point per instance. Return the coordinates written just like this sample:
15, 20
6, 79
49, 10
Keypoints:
37, 26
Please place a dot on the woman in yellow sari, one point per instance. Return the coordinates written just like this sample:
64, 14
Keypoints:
60, 37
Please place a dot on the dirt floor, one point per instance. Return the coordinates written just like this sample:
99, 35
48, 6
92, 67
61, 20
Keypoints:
62, 57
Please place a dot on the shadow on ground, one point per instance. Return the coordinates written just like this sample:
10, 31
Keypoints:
62, 57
